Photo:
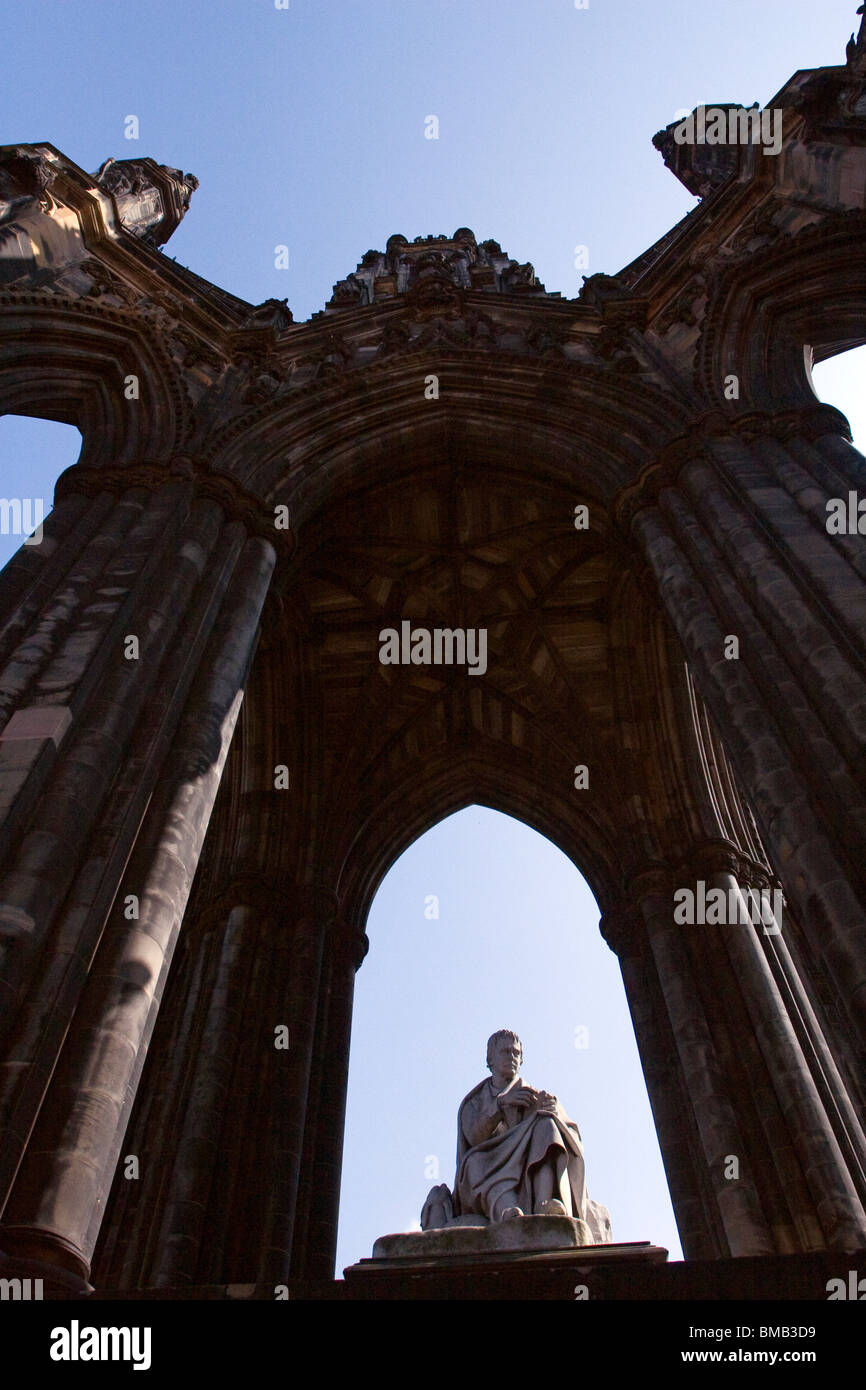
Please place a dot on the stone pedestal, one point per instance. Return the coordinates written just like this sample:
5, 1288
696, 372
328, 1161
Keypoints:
510, 1259
472, 1236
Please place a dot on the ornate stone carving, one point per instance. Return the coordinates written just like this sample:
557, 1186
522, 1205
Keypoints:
759, 225
519, 278
600, 289
105, 284
613, 347
701, 168
455, 324
350, 292
444, 265
335, 356
262, 388
151, 198
196, 354
348, 943
435, 295
855, 51
681, 309
396, 337
547, 340
273, 315
25, 177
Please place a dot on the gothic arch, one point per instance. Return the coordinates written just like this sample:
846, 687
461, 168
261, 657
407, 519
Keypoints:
769, 308
69, 361
171, 891
504, 410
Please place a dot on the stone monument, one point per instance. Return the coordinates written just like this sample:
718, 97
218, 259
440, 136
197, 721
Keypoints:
612, 486
520, 1181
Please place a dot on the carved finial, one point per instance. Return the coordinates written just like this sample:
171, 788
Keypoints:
133, 182
432, 270
856, 49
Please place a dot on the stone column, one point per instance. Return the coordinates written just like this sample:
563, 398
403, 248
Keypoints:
183, 1227
205, 1108
790, 506
37, 1030
836, 1202
826, 671
848, 462
318, 1215
811, 480
825, 901
35, 571
781, 946
712, 1100
103, 688
299, 1010
698, 1220
822, 766
57, 1202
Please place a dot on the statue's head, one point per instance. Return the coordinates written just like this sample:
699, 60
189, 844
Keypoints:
504, 1035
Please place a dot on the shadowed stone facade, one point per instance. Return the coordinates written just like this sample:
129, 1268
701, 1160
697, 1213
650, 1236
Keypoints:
166, 902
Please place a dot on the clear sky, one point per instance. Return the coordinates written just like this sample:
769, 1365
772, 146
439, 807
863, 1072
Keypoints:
305, 127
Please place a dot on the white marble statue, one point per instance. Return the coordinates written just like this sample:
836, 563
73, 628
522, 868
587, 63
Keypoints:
518, 1154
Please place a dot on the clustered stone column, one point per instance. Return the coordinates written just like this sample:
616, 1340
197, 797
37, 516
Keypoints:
729, 1069
720, 1128
200, 1131
319, 1194
315, 912
718, 576
698, 1220
123, 672
183, 1222
734, 531
239, 1125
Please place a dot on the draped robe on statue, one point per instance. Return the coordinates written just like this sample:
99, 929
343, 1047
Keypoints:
501, 1170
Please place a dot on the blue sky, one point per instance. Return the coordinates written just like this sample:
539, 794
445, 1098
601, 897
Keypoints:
305, 127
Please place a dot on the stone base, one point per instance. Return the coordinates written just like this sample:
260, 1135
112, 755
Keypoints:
450, 1266
465, 1236
612, 1274
603, 1274
53, 1280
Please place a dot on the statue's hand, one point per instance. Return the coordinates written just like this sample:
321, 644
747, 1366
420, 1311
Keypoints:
545, 1101
521, 1096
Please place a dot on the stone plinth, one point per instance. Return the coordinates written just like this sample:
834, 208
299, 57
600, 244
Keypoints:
534, 1268
528, 1234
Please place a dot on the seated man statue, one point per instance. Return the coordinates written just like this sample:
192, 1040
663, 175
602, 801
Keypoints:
518, 1154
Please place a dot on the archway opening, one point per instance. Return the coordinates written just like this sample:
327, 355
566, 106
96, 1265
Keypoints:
33, 454
483, 924
841, 381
